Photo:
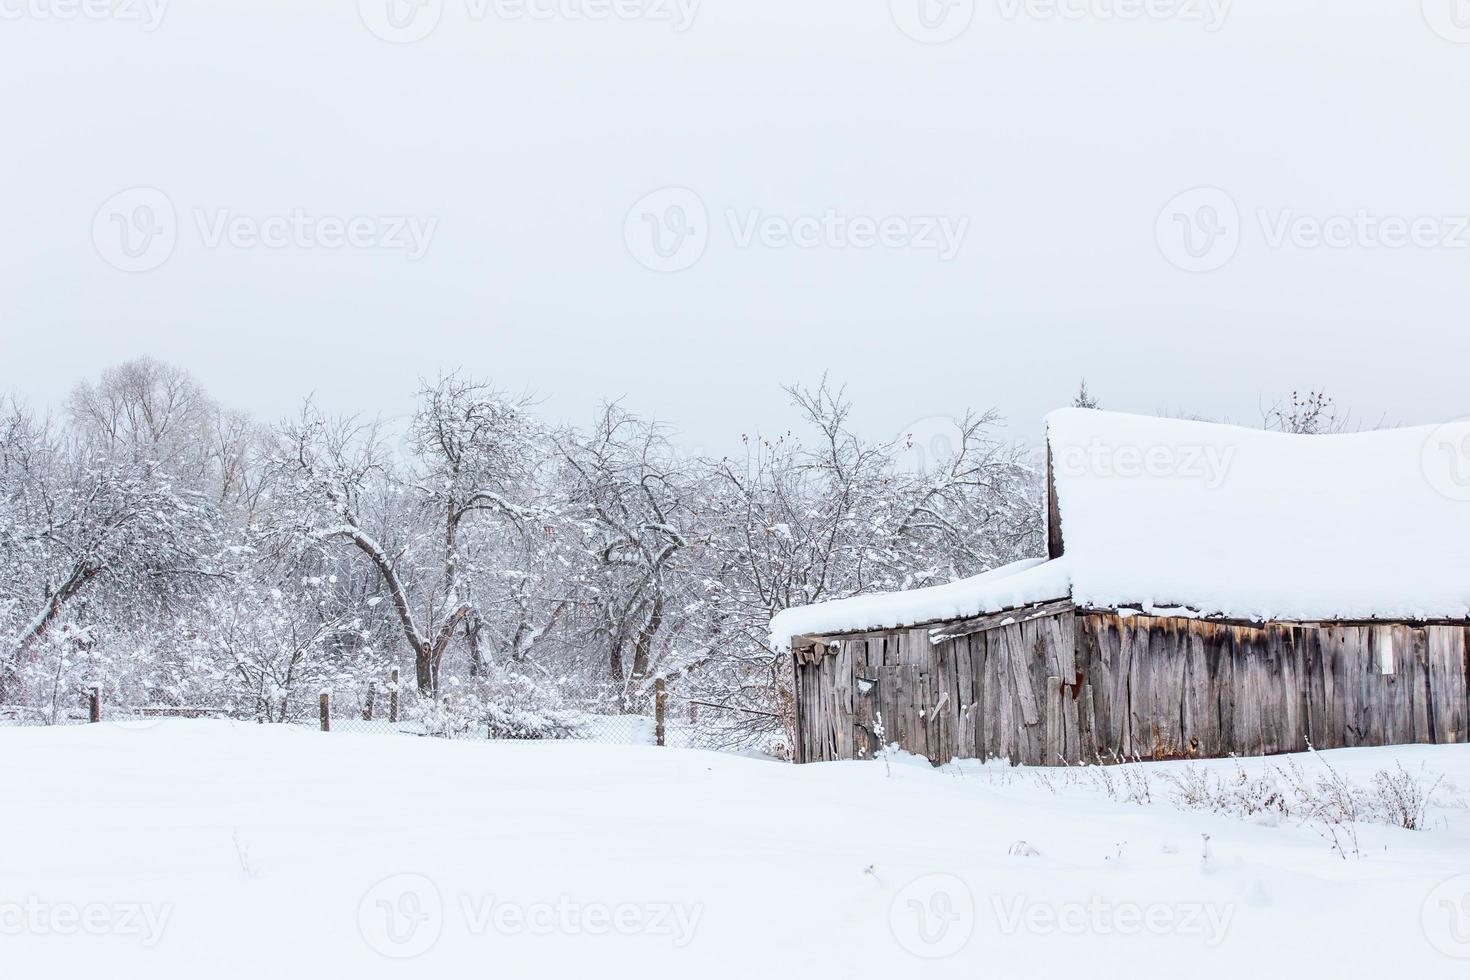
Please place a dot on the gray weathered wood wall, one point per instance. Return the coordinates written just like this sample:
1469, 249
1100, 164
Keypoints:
1076, 686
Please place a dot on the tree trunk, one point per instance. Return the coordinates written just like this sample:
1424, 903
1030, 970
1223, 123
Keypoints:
472, 629
432, 654
423, 668
615, 663
75, 582
643, 649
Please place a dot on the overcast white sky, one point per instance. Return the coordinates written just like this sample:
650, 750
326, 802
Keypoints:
1056, 140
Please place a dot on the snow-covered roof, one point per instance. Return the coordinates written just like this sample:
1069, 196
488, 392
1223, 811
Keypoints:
1244, 524
1202, 519
1009, 587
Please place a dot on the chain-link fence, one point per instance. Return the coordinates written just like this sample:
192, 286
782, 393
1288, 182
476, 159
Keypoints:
19, 715
570, 711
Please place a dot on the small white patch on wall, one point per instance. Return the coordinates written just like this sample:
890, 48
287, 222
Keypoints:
1385, 652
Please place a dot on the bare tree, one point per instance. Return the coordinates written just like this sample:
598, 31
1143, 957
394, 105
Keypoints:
797, 522
1314, 413
470, 457
632, 497
73, 517
147, 411
270, 642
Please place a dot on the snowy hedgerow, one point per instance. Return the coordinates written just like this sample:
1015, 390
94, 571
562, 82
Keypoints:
501, 704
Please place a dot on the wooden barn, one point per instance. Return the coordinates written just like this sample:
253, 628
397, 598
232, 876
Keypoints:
1210, 590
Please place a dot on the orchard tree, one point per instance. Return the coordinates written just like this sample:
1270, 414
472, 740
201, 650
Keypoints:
76, 514
632, 498
470, 458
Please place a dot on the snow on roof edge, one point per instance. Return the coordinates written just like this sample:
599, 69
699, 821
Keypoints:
1012, 586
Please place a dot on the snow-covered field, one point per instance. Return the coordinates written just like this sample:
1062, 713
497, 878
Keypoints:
194, 850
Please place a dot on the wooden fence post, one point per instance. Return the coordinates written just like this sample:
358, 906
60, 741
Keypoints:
393, 697
326, 711
367, 711
94, 705
660, 697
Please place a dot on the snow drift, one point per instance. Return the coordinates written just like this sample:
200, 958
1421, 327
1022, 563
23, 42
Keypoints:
221, 850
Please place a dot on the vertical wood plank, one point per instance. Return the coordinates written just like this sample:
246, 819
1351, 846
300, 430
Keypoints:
1447, 688
1055, 738
1414, 649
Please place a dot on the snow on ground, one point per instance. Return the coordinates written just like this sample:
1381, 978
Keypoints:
198, 849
